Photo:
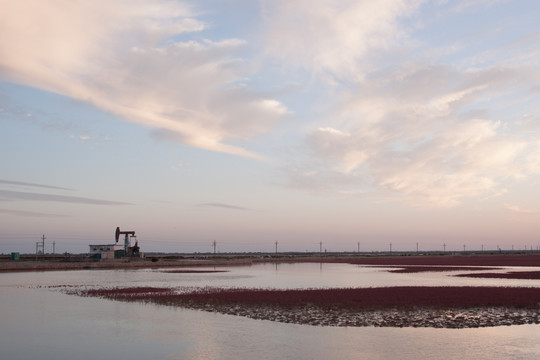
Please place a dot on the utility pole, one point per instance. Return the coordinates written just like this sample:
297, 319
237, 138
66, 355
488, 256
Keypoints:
416, 248
463, 247
276, 247
53, 246
390, 247
359, 247
444, 247
40, 244
214, 245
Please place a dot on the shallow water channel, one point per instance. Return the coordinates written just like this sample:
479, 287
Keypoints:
38, 320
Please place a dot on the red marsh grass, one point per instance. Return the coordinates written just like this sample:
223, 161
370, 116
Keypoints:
448, 260
349, 298
527, 275
193, 271
417, 269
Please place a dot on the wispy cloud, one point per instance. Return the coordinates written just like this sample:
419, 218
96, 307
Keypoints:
7, 195
427, 122
403, 123
467, 4
420, 142
334, 38
10, 109
224, 206
517, 209
30, 214
135, 59
21, 183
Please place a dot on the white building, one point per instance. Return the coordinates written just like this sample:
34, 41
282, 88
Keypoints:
106, 251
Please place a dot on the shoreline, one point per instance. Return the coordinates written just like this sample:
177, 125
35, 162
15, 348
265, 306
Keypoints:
117, 264
432, 318
67, 264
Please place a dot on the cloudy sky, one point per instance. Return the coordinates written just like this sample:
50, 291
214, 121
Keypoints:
250, 122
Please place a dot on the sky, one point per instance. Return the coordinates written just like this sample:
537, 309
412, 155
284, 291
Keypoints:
334, 125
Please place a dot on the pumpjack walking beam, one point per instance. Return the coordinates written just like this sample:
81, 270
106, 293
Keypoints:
126, 237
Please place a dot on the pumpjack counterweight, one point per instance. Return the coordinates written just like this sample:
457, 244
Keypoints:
127, 236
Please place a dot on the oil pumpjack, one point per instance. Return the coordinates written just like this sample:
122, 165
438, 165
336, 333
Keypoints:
127, 243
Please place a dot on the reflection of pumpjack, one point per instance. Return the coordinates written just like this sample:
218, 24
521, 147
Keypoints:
128, 250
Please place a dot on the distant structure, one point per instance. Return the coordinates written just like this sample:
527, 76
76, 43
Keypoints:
105, 251
112, 251
40, 245
127, 243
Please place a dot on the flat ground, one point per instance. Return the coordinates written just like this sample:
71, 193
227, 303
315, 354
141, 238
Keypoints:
30, 263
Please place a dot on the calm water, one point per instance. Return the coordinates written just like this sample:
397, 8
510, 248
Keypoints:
38, 322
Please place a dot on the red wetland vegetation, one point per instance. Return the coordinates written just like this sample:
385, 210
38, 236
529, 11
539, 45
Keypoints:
365, 298
449, 260
398, 306
193, 271
417, 269
349, 298
416, 264
526, 275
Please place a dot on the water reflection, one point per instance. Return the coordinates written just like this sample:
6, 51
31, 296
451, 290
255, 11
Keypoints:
47, 324
270, 275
